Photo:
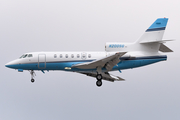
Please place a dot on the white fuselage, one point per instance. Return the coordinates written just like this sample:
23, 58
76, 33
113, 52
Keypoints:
64, 60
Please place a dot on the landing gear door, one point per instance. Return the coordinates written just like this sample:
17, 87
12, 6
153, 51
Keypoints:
41, 61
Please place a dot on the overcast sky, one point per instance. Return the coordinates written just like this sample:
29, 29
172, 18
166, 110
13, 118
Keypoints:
150, 92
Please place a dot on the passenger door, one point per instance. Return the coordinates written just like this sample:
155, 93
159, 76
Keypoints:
41, 61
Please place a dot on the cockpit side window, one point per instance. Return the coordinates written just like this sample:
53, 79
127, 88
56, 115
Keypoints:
30, 55
25, 56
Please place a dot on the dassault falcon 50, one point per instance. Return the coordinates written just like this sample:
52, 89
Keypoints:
148, 49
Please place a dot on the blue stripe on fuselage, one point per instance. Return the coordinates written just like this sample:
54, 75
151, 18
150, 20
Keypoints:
124, 64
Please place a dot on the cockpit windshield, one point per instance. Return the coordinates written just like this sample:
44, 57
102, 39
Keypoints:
26, 55
22, 56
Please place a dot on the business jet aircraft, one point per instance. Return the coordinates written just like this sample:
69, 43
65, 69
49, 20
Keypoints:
117, 56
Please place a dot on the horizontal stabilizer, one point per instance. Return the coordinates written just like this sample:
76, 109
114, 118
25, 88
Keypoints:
164, 48
156, 41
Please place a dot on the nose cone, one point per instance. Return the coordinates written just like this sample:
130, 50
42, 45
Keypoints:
9, 65
12, 64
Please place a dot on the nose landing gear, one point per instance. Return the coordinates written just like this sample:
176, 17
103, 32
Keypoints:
32, 80
32, 75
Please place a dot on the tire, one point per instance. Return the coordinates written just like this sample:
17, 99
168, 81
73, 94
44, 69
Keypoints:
99, 83
32, 80
99, 77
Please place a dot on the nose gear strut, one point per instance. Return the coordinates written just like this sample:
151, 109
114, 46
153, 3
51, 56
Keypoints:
33, 74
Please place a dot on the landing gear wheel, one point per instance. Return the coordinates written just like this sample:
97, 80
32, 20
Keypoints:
32, 75
32, 80
99, 77
99, 83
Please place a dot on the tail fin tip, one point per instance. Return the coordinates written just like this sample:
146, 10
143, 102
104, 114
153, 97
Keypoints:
159, 24
155, 31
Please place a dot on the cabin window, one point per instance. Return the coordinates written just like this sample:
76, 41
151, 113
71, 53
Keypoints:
72, 56
55, 56
83, 56
25, 56
89, 56
66, 55
30, 55
61, 56
78, 55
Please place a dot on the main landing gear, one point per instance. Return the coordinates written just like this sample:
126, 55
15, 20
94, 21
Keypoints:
99, 80
32, 75
99, 76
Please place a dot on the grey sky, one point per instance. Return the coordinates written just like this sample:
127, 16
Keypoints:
150, 92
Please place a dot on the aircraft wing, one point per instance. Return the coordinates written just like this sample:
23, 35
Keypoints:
109, 61
105, 76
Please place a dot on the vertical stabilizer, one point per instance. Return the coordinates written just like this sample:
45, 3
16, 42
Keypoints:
155, 32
